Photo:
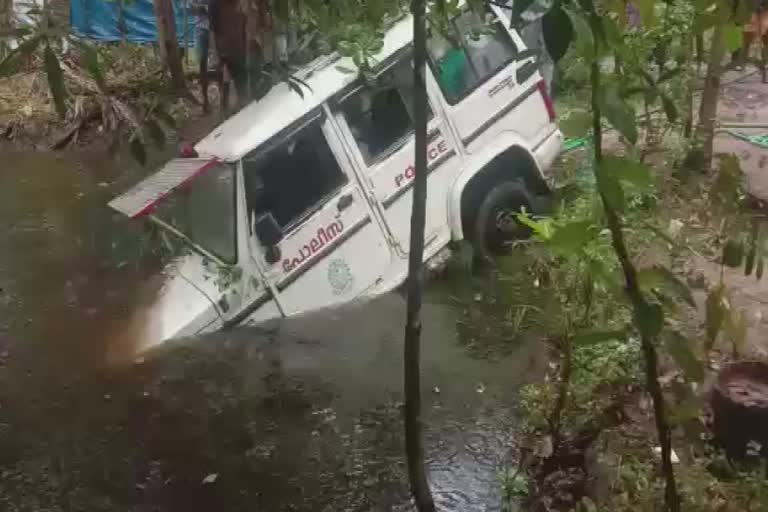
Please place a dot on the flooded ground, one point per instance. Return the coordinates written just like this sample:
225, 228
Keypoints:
299, 415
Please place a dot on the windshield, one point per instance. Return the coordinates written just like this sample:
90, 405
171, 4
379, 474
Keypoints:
204, 211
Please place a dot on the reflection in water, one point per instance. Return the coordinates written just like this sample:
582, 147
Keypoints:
297, 415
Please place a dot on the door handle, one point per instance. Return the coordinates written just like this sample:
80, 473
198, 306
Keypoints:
344, 202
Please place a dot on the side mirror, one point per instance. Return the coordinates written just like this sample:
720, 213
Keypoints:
267, 230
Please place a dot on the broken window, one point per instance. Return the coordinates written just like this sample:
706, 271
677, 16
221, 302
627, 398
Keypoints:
293, 179
204, 211
475, 48
380, 115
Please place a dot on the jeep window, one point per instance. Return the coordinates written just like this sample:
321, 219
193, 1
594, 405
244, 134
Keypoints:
204, 211
474, 50
292, 179
379, 116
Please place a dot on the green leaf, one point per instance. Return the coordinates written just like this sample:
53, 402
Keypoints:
733, 253
346, 49
684, 354
629, 171
542, 229
587, 338
736, 328
610, 188
584, 42
345, 70
558, 32
571, 237
9, 65
617, 112
754, 241
577, 124
732, 37
669, 107
727, 186
295, 88
661, 278
613, 35
650, 319
55, 81
155, 133
138, 151
715, 315
91, 60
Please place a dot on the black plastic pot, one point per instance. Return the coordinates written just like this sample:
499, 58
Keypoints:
740, 408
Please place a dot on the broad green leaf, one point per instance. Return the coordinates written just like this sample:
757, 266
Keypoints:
542, 229
613, 34
727, 186
650, 319
346, 49
733, 253
610, 188
754, 241
558, 32
345, 70
584, 42
155, 133
571, 237
629, 171
577, 124
732, 37
683, 351
55, 81
91, 60
9, 65
138, 151
715, 315
661, 278
617, 112
736, 328
586, 338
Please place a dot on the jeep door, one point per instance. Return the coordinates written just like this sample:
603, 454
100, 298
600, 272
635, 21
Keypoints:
329, 247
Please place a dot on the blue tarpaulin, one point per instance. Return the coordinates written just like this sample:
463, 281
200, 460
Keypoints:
130, 20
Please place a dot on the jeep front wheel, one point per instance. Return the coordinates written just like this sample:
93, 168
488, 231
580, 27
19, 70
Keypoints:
496, 226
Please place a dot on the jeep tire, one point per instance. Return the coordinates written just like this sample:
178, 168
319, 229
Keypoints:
496, 227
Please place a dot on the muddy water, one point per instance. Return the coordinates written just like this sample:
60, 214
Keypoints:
297, 415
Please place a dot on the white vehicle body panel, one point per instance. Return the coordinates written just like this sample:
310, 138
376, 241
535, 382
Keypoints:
354, 241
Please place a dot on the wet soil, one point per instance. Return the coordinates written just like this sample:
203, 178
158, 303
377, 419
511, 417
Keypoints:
303, 414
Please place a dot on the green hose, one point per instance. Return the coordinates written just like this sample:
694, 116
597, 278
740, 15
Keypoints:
757, 140
571, 144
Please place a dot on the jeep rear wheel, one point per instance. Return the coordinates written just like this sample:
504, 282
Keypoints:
496, 227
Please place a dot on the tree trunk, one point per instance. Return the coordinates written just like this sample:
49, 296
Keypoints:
705, 131
414, 449
167, 42
6, 12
